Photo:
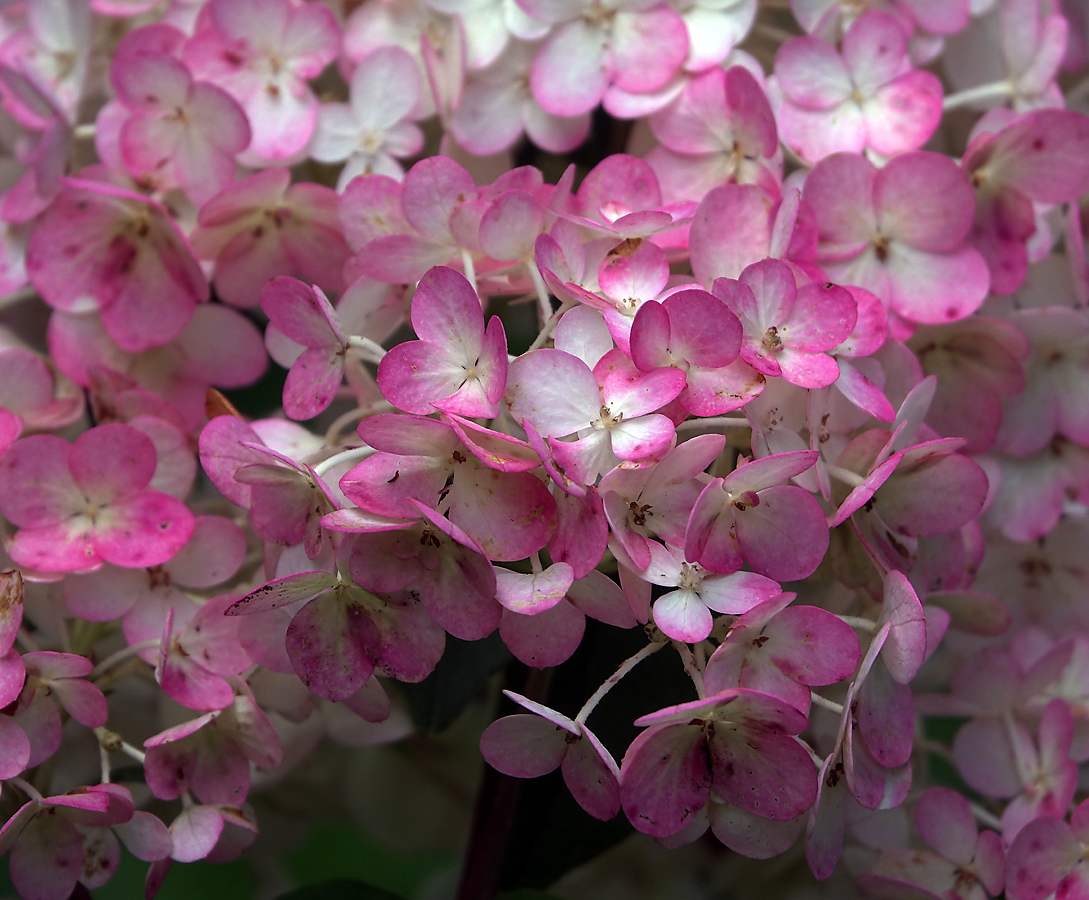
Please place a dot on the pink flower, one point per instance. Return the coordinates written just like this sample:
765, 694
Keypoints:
743, 518
457, 366
123, 250
557, 395
739, 743
900, 232
262, 226
719, 129
262, 52
869, 97
185, 132
962, 859
685, 613
637, 47
79, 505
528, 746
789, 329
58, 843
305, 316
783, 650
211, 755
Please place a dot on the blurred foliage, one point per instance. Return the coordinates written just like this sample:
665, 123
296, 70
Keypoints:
341, 852
460, 677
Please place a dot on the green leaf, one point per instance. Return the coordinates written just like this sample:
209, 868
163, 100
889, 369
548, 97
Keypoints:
339, 889
459, 677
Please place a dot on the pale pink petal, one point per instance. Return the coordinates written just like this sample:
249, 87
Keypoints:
812, 74
534, 593
553, 390
572, 68
945, 822
648, 48
683, 616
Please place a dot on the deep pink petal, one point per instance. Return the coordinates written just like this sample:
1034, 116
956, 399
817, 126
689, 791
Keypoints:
769, 775
523, 746
665, 778
144, 531
546, 639
593, 784
328, 643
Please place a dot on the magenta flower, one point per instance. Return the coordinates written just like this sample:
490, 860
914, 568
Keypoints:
744, 518
82, 504
789, 329
457, 366
738, 742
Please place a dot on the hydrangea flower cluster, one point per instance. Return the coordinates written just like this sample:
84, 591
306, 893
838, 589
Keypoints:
791, 384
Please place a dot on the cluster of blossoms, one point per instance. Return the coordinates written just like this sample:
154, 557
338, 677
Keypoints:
805, 406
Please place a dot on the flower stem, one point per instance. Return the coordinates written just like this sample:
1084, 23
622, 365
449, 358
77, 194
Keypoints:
121, 655
550, 325
844, 475
994, 91
470, 269
691, 669
831, 705
713, 422
366, 348
860, 623
614, 679
350, 455
26, 787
